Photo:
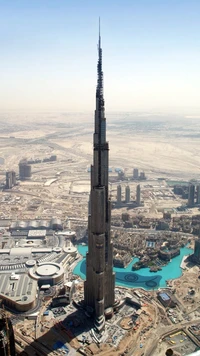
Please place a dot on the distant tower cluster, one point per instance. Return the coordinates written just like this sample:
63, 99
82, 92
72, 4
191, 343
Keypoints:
24, 170
50, 159
10, 179
190, 192
128, 195
137, 176
44, 160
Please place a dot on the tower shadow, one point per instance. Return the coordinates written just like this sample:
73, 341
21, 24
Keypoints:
66, 335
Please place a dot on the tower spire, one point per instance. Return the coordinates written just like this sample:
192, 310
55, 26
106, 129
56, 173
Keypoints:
99, 32
99, 92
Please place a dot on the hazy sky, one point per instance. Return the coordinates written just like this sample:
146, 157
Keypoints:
151, 54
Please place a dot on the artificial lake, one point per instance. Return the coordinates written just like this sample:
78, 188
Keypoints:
142, 278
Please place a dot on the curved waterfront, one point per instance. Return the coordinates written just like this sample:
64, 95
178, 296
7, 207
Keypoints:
143, 278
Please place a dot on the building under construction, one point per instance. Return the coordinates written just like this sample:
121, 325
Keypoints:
7, 341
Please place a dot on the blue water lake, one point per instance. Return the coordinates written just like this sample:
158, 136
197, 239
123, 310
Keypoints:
140, 279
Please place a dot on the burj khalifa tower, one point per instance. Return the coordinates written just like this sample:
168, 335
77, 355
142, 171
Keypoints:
100, 278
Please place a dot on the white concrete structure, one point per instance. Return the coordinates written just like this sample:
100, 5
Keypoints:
47, 273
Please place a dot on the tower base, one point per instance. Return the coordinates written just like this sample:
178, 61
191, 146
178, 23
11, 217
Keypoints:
100, 323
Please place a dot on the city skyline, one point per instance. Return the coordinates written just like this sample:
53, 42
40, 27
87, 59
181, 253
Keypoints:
151, 55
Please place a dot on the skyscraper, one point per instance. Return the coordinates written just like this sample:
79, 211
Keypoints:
135, 173
13, 178
198, 194
8, 180
127, 194
119, 194
100, 279
138, 197
191, 192
24, 170
196, 255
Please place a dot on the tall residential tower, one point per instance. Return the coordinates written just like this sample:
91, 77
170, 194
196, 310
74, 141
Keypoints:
138, 195
119, 194
100, 279
191, 193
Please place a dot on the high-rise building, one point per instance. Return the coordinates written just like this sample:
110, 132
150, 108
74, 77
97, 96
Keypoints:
127, 194
13, 178
8, 180
198, 194
138, 192
24, 170
119, 194
142, 176
196, 255
135, 173
100, 279
191, 193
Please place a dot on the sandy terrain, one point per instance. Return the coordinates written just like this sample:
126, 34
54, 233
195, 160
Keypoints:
156, 146
160, 148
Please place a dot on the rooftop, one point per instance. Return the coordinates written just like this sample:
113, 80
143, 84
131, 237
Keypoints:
21, 290
164, 296
36, 233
